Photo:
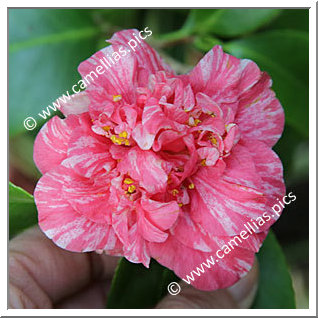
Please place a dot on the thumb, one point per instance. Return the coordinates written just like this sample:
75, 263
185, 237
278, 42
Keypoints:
240, 295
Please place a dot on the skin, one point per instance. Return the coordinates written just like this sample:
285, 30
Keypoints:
42, 275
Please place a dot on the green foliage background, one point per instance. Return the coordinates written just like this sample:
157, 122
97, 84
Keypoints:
46, 46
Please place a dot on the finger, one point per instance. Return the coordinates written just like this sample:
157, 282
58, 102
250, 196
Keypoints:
240, 295
244, 291
92, 297
41, 274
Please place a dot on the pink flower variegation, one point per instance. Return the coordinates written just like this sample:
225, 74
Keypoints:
150, 164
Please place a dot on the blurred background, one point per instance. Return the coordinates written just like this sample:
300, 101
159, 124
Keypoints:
46, 46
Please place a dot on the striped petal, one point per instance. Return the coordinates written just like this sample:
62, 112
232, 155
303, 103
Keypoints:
183, 260
260, 115
68, 228
222, 207
51, 143
223, 76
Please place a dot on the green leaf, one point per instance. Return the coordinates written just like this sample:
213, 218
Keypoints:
114, 18
45, 48
293, 19
275, 290
287, 148
22, 210
135, 286
21, 156
284, 55
206, 42
232, 22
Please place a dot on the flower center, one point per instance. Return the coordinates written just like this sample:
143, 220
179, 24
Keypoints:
120, 139
130, 186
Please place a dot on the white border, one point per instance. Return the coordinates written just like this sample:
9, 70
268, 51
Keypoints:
312, 161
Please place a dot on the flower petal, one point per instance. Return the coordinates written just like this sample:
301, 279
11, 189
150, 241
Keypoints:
77, 105
222, 207
137, 251
50, 146
147, 58
260, 115
153, 119
270, 169
223, 76
88, 152
183, 260
162, 214
145, 167
114, 78
66, 227
149, 232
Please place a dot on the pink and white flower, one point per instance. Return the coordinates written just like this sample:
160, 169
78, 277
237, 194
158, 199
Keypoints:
150, 164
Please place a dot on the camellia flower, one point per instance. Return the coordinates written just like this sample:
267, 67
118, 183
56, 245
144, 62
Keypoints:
150, 164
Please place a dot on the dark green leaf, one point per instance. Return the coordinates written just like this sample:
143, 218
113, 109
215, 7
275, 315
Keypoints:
135, 286
287, 149
284, 55
275, 290
22, 210
293, 19
21, 156
232, 22
45, 48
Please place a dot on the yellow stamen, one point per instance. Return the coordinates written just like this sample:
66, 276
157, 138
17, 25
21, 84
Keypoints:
128, 181
203, 162
106, 128
180, 205
191, 186
115, 140
193, 122
123, 134
131, 189
117, 98
174, 192
127, 143
213, 140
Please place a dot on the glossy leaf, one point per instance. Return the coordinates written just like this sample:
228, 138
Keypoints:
45, 48
205, 43
284, 55
135, 286
286, 148
22, 210
293, 19
232, 22
275, 290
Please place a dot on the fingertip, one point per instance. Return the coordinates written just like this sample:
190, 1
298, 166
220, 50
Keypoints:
244, 291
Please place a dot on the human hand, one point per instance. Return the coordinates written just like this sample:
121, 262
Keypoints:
42, 275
